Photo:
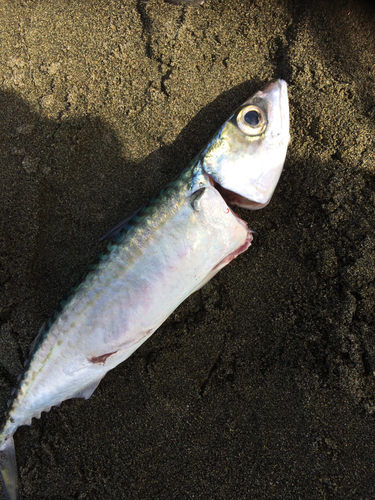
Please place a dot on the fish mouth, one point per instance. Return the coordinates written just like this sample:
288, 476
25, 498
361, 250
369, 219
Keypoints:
232, 198
236, 199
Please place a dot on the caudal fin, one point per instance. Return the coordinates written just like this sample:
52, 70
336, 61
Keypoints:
8, 469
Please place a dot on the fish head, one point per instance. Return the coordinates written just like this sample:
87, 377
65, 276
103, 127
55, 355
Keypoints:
246, 156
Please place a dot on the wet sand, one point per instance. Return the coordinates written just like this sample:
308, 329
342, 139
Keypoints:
261, 385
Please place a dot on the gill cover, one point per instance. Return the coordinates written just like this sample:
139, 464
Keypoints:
247, 155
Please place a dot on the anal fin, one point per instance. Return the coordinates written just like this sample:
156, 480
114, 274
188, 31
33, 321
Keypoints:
87, 391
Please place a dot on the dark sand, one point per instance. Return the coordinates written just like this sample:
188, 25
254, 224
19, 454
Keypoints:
261, 385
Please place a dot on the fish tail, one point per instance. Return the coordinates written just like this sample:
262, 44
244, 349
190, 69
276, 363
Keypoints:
8, 469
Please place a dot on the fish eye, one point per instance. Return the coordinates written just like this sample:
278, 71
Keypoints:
251, 120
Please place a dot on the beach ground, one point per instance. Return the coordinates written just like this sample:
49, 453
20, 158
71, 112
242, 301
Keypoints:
261, 385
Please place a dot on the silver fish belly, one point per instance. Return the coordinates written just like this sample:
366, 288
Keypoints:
168, 250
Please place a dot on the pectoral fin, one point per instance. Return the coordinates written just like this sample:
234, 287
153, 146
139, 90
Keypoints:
195, 199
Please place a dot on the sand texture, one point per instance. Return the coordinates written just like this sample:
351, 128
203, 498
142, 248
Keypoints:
261, 385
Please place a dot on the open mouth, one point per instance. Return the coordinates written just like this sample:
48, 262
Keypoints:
234, 198
237, 199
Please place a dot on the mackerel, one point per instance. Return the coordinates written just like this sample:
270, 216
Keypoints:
166, 251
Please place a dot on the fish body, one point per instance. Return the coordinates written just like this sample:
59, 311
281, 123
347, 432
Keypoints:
168, 250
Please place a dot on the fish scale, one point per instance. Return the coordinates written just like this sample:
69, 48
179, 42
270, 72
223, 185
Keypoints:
169, 249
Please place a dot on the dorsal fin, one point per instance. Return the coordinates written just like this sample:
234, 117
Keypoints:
120, 225
35, 341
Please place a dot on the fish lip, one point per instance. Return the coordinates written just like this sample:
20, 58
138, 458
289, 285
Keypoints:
284, 108
280, 88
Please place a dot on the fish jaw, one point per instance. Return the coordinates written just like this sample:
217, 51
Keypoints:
248, 167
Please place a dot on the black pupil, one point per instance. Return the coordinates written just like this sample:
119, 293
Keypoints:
252, 118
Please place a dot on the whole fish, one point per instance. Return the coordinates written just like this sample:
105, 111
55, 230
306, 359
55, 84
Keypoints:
166, 251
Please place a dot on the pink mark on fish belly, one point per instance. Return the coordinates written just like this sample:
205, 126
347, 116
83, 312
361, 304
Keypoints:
102, 358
